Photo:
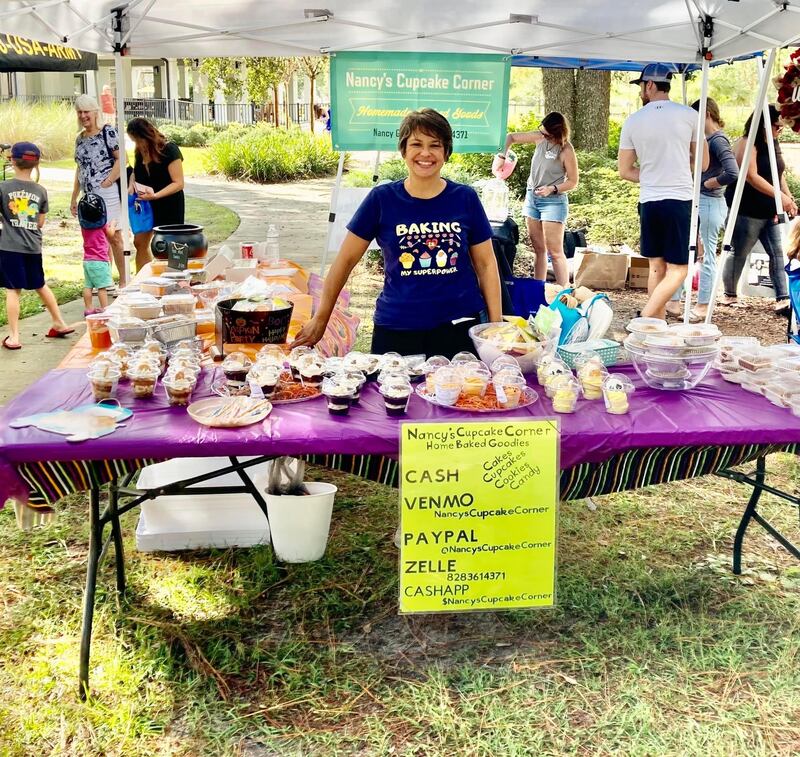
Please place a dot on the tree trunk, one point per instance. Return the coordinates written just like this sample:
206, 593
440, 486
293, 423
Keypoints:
559, 91
286, 102
275, 110
592, 99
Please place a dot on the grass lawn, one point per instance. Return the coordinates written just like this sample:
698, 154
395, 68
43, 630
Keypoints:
63, 251
654, 647
193, 161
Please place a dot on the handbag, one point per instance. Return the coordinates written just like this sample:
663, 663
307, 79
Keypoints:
140, 215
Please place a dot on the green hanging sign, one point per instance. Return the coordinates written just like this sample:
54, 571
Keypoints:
371, 93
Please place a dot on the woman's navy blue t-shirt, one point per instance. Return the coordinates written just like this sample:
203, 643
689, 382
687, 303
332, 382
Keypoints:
429, 278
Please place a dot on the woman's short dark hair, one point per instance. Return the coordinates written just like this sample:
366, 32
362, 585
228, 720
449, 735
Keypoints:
761, 134
430, 122
557, 127
141, 128
712, 110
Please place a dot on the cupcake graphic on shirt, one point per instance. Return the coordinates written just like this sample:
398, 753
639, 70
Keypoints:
425, 260
406, 260
454, 258
441, 258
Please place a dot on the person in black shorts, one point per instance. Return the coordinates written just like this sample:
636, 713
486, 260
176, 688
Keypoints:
23, 207
656, 150
665, 230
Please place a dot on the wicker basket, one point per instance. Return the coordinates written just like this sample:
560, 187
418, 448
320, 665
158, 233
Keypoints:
605, 348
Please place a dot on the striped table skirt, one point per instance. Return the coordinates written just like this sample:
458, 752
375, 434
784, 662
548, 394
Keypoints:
50, 481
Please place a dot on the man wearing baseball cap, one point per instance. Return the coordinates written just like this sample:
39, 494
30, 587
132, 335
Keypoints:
656, 150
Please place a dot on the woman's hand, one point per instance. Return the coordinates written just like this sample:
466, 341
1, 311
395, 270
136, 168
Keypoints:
106, 183
789, 205
149, 196
547, 191
73, 206
311, 333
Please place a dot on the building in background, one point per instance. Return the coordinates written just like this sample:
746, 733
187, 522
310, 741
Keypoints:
162, 89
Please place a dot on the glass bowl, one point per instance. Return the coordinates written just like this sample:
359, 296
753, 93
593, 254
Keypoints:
527, 354
676, 372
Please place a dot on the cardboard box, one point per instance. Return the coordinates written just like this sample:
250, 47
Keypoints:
638, 272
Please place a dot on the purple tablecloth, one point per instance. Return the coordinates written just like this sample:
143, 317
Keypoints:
714, 413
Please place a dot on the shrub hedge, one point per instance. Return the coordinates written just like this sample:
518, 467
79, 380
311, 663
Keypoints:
263, 153
183, 136
51, 126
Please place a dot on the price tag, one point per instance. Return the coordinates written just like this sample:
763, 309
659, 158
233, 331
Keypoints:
478, 513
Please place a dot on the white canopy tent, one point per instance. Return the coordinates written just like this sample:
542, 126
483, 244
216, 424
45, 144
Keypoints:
678, 31
645, 30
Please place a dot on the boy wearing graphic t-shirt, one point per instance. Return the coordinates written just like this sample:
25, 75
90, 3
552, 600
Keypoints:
440, 273
23, 206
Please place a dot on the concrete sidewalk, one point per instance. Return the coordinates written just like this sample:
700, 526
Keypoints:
299, 209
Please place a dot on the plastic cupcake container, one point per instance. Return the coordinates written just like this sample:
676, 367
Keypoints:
103, 380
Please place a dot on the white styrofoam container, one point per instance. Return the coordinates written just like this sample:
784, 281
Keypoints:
200, 520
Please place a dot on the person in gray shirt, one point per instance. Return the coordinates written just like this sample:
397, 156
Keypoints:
713, 211
23, 206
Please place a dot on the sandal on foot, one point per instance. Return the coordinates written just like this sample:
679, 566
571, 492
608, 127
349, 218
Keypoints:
9, 346
782, 306
55, 333
696, 317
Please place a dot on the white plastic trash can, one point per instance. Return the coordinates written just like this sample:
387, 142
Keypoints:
299, 524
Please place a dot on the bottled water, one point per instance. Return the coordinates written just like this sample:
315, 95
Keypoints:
494, 198
272, 249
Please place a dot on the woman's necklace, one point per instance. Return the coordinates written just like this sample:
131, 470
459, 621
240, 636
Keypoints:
550, 150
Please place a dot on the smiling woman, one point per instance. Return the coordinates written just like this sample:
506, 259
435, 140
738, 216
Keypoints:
440, 272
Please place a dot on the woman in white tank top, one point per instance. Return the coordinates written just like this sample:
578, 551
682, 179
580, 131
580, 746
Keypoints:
554, 172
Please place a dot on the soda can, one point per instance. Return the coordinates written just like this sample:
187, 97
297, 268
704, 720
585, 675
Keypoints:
247, 250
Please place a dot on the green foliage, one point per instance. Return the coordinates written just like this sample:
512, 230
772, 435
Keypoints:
265, 154
196, 136
223, 75
603, 203
174, 133
614, 130
51, 126
793, 182
263, 75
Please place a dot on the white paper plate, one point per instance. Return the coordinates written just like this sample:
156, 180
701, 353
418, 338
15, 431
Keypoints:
202, 412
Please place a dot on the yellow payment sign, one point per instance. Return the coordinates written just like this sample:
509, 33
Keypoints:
478, 508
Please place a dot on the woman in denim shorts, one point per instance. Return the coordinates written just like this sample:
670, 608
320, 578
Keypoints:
554, 172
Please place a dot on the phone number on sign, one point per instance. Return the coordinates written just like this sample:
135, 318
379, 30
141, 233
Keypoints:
488, 575
460, 134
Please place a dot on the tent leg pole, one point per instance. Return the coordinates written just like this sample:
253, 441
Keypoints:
375, 170
698, 176
776, 187
124, 227
332, 214
737, 195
